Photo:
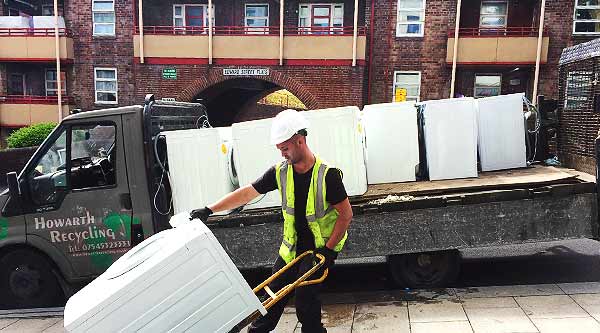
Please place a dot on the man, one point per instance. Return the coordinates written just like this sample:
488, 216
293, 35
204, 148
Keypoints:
316, 214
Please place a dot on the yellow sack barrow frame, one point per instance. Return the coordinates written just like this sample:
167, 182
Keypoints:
277, 296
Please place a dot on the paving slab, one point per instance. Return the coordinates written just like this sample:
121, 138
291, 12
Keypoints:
590, 303
56, 328
338, 317
562, 325
6, 322
443, 310
580, 287
554, 306
30, 325
489, 303
287, 323
442, 327
508, 291
499, 320
390, 317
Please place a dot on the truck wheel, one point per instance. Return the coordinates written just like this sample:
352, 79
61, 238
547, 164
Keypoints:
27, 281
425, 270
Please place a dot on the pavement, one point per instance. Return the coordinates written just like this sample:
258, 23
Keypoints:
564, 307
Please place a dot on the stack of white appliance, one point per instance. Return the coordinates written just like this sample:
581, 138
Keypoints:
47, 22
178, 280
501, 132
337, 137
450, 134
392, 145
200, 166
19, 22
253, 155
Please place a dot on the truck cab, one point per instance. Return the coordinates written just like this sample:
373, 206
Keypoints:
84, 199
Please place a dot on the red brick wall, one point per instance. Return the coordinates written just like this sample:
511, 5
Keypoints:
317, 87
115, 52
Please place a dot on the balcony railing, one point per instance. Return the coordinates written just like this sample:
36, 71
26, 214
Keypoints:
46, 32
32, 99
497, 32
241, 31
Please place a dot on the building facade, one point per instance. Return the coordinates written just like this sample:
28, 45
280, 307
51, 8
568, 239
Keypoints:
326, 52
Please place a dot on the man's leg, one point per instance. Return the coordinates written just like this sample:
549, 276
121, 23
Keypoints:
308, 301
268, 323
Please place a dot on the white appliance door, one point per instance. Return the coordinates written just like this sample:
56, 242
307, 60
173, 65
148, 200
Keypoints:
450, 133
501, 132
392, 142
336, 136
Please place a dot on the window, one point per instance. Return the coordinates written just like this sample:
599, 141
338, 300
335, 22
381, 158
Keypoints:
52, 84
188, 16
586, 20
487, 85
105, 80
578, 89
407, 86
92, 156
257, 18
493, 14
48, 178
321, 18
47, 10
411, 18
103, 12
17, 84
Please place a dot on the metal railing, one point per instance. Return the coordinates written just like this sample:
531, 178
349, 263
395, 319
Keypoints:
44, 32
244, 31
33, 99
497, 32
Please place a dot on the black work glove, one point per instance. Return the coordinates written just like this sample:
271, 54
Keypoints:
329, 255
201, 213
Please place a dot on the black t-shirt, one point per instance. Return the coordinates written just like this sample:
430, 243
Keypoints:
336, 193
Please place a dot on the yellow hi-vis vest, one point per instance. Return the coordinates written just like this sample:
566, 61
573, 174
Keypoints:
320, 215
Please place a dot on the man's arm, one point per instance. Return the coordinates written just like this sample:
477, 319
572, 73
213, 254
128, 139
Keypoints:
237, 198
341, 224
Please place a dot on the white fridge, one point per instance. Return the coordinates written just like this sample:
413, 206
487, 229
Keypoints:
253, 154
392, 142
337, 136
200, 166
450, 135
501, 126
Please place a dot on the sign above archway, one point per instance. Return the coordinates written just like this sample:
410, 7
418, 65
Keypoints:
246, 71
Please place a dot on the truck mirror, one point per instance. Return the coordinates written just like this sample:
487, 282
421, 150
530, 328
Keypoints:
13, 185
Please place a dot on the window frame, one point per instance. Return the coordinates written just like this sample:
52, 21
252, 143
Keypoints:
96, 91
259, 30
421, 22
183, 16
23, 77
505, 15
63, 81
331, 29
94, 24
575, 20
486, 74
395, 83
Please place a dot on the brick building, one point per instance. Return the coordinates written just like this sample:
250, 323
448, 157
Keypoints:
110, 55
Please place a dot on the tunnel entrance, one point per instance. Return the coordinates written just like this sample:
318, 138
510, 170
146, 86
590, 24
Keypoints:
243, 99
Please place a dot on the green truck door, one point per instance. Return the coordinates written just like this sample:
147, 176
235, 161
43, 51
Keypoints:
79, 201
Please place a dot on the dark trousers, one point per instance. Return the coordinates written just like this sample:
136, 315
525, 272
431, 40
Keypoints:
308, 303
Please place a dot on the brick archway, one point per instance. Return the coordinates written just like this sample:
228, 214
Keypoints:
215, 76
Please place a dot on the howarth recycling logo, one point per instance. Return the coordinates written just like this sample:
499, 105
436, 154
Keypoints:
3, 228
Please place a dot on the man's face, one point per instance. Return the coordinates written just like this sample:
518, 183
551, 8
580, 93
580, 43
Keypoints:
290, 149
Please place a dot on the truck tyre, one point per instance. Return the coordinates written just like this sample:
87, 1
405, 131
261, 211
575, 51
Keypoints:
27, 280
425, 270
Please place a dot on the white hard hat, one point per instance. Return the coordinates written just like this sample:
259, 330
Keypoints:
286, 124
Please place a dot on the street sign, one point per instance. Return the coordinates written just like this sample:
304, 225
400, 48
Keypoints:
169, 73
246, 71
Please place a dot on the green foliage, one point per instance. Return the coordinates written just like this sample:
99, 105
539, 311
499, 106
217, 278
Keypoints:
30, 136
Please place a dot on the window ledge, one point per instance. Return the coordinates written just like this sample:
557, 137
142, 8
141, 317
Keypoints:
409, 36
104, 36
105, 103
